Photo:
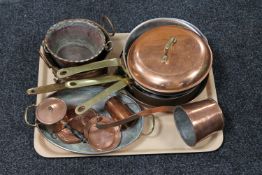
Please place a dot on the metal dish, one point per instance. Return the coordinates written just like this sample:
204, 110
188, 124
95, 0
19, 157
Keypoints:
73, 97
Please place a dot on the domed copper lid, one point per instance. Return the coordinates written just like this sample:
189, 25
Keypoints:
51, 110
169, 59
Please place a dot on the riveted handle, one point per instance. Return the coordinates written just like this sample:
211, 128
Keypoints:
82, 108
65, 72
26, 116
90, 82
168, 45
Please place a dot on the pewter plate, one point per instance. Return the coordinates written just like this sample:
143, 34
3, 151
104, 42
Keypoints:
73, 97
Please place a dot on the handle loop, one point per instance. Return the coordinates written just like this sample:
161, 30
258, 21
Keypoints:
106, 19
26, 116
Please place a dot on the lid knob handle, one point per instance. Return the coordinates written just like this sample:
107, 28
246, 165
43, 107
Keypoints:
168, 45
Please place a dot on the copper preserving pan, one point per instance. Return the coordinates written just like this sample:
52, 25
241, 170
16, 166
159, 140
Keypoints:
162, 56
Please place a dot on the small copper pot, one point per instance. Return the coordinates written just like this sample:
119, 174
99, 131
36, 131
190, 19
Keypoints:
195, 121
51, 113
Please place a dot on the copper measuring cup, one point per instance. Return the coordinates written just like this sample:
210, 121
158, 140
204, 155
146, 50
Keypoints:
196, 121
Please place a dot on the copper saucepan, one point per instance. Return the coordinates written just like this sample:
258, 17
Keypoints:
51, 112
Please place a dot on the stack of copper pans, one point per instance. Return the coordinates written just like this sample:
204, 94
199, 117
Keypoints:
169, 60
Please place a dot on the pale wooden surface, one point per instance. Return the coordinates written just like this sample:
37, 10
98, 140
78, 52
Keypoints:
164, 139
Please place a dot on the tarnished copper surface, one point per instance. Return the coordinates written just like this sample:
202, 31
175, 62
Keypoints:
195, 121
102, 139
117, 110
79, 122
67, 136
51, 110
187, 62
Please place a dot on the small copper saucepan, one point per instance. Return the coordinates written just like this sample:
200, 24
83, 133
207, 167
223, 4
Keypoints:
163, 57
51, 112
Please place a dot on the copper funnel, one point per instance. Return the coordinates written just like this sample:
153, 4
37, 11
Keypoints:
195, 121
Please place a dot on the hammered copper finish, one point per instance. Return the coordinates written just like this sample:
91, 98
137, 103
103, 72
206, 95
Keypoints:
79, 122
102, 139
51, 110
188, 61
118, 111
67, 136
195, 121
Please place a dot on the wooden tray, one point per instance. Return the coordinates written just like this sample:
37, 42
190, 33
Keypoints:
164, 139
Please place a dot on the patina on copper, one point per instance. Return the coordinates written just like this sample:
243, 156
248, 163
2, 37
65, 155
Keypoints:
195, 121
79, 122
118, 111
169, 59
67, 136
102, 139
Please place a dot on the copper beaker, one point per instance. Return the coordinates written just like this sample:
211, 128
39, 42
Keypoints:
195, 121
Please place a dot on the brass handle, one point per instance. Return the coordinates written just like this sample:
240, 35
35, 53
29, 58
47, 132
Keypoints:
168, 45
65, 72
82, 108
106, 19
73, 84
46, 89
26, 116
95, 81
